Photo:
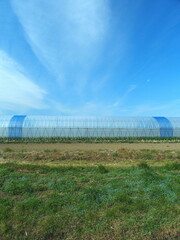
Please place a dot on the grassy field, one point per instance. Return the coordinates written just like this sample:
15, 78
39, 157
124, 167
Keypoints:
89, 195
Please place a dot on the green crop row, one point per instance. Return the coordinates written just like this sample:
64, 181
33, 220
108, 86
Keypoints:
91, 140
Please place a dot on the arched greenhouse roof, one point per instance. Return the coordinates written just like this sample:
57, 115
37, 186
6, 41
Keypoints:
69, 126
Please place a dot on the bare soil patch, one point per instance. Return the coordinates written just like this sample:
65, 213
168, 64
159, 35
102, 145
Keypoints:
89, 146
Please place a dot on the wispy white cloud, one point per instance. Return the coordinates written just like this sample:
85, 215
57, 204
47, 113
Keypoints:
90, 108
17, 91
170, 109
121, 100
167, 109
96, 108
66, 35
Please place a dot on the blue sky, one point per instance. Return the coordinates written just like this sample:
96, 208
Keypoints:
90, 57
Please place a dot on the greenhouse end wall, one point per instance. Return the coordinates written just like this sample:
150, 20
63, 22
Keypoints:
22, 126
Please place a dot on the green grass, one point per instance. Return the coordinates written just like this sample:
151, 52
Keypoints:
89, 202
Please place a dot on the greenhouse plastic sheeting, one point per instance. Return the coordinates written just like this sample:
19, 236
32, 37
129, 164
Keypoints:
60, 126
165, 126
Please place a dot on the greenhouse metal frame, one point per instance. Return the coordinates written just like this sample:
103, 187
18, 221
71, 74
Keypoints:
22, 126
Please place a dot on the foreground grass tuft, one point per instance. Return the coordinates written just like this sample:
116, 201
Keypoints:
102, 169
8, 149
144, 165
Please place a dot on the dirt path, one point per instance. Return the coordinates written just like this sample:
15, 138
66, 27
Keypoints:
90, 146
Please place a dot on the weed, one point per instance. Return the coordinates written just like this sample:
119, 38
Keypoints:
94, 195
102, 169
172, 166
47, 150
115, 154
8, 150
18, 185
149, 176
144, 165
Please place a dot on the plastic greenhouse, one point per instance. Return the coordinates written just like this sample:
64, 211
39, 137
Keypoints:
60, 126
